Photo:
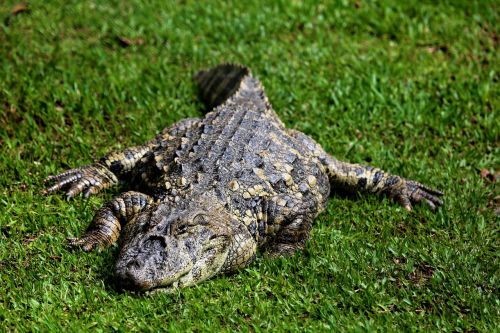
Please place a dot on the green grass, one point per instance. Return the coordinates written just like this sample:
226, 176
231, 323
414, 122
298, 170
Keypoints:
408, 87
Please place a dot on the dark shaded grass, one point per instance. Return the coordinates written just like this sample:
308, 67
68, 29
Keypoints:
409, 87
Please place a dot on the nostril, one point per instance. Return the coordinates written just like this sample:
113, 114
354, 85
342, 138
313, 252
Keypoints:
133, 264
155, 243
128, 277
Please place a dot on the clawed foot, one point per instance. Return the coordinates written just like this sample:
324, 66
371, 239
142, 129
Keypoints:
408, 192
91, 240
88, 179
82, 243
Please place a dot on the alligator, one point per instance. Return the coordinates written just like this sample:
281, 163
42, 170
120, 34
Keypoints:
207, 193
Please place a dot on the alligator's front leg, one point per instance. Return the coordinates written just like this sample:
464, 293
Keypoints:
91, 179
108, 221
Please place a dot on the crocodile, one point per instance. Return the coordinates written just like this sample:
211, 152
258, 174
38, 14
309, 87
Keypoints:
206, 194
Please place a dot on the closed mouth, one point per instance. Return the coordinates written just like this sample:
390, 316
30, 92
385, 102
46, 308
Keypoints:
169, 288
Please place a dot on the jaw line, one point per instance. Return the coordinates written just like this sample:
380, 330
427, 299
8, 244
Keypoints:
161, 290
169, 289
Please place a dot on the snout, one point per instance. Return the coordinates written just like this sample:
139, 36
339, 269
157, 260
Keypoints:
131, 276
156, 262
132, 271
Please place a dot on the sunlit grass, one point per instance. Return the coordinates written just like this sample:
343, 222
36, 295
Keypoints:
408, 87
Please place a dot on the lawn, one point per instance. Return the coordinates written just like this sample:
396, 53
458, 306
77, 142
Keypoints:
411, 87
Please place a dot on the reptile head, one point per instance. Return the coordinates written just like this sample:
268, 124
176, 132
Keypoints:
166, 248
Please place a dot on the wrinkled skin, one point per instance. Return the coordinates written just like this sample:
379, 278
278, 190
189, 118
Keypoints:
173, 247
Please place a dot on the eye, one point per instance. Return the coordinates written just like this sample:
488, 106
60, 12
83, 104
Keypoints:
182, 228
200, 219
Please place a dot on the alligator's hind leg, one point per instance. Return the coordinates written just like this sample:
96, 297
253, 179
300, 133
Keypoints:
108, 221
357, 177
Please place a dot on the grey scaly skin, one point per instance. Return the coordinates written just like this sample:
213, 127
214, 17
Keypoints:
209, 192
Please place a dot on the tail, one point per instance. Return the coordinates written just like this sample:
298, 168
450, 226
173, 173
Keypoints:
219, 83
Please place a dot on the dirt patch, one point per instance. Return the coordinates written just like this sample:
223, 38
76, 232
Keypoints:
421, 274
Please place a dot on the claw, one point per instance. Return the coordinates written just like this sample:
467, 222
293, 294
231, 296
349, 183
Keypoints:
83, 243
430, 190
89, 179
92, 190
63, 183
63, 175
427, 195
410, 192
78, 187
430, 204
405, 202
72, 241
